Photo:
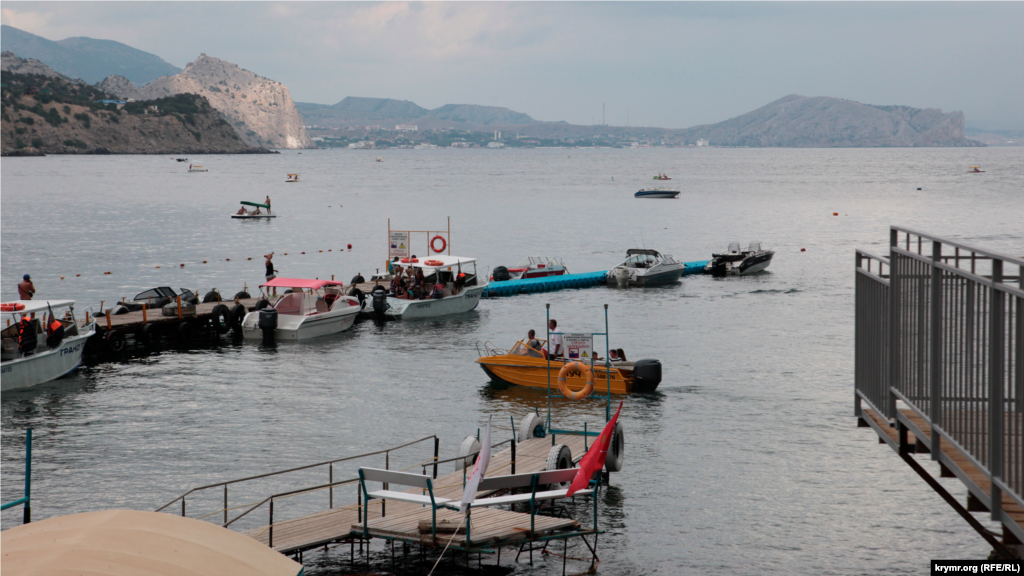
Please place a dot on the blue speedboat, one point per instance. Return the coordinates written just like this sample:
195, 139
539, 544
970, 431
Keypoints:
659, 192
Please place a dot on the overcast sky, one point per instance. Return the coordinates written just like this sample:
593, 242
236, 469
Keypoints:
665, 63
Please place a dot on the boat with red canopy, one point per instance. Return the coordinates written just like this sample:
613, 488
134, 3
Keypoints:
309, 308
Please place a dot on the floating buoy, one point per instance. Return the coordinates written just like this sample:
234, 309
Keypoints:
157, 266
835, 213
918, 188
321, 250
328, 250
182, 265
107, 272
303, 252
349, 246
803, 249
77, 274
63, 277
250, 257
227, 259
285, 253
204, 261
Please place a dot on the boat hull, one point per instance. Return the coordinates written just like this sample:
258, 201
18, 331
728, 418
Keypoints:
533, 372
465, 301
638, 277
293, 328
39, 368
659, 194
247, 217
745, 267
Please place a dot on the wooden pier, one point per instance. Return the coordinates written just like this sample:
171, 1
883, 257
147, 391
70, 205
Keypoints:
400, 520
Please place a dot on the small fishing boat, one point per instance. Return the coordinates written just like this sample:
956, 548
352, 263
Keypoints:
313, 308
196, 168
182, 159
255, 213
292, 178
530, 267
525, 366
645, 267
461, 289
975, 170
658, 192
661, 177
736, 262
56, 352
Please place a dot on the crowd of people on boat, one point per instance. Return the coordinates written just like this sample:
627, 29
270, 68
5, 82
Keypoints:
410, 283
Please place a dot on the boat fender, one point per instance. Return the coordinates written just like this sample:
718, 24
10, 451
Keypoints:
149, 336
118, 310
133, 306
115, 341
470, 445
221, 317
243, 295
263, 303
211, 296
532, 426
433, 263
581, 369
238, 313
559, 458
433, 246
185, 333
616, 450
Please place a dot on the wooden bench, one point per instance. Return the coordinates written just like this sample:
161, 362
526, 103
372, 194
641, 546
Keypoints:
535, 481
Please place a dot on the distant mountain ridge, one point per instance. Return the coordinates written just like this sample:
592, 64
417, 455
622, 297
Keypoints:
355, 110
87, 58
824, 122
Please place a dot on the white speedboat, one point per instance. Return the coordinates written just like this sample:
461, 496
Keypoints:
54, 355
657, 192
736, 262
645, 267
313, 308
530, 267
461, 289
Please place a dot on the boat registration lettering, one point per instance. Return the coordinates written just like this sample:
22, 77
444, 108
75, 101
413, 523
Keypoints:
6, 369
71, 349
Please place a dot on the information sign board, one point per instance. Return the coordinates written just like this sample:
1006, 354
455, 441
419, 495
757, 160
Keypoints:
398, 245
579, 346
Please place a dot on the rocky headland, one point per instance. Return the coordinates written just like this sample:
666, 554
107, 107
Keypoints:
358, 111
259, 108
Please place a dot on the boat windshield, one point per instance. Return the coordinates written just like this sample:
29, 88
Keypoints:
734, 248
521, 349
754, 247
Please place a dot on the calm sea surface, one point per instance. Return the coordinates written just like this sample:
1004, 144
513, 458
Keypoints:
746, 461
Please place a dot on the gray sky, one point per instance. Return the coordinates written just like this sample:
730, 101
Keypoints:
670, 64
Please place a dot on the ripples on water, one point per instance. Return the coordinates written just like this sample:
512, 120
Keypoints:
747, 459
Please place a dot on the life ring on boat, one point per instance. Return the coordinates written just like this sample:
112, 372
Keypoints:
433, 263
444, 244
564, 388
408, 260
11, 307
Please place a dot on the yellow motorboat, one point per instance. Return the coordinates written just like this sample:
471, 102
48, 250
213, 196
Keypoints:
525, 366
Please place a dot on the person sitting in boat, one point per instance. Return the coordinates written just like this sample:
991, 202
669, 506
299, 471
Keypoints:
392, 265
621, 355
460, 281
437, 292
241, 211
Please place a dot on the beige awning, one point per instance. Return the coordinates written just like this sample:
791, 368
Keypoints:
130, 542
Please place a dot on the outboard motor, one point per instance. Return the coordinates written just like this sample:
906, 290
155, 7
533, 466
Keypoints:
718, 267
379, 296
646, 375
500, 274
267, 322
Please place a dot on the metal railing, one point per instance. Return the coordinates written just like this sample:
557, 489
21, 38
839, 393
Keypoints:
940, 326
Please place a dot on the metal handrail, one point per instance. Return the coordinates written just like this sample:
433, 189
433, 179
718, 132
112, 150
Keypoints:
988, 253
268, 474
289, 493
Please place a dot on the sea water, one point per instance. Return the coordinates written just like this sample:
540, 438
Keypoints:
747, 460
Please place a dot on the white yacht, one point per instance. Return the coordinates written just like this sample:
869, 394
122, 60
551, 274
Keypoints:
53, 355
645, 267
461, 289
313, 308
736, 262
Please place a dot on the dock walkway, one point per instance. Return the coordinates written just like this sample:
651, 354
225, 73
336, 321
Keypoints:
400, 520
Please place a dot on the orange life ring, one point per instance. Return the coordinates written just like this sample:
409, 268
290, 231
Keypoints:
408, 260
564, 388
433, 263
444, 243
14, 307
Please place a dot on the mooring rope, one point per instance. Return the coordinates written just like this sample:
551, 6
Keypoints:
454, 534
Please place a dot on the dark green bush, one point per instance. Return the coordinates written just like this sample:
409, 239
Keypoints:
20, 130
37, 142
27, 120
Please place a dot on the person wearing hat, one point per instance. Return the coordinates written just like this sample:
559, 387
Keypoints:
26, 288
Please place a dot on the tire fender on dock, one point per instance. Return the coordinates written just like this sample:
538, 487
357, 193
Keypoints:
238, 313
185, 334
221, 318
559, 458
532, 426
616, 450
469, 445
115, 341
149, 336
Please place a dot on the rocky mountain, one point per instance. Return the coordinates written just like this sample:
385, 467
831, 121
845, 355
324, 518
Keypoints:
259, 108
87, 58
823, 122
48, 114
10, 62
386, 111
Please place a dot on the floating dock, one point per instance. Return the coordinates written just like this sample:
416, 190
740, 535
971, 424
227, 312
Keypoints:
553, 283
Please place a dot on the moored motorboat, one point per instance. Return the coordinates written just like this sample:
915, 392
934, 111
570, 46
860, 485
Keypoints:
657, 192
736, 262
313, 308
525, 366
459, 289
196, 168
55, 352
645, 267
530, 267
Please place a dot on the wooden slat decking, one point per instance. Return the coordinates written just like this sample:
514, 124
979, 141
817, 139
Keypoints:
134, 319
402, 518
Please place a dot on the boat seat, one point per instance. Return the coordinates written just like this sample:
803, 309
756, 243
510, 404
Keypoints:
321, 307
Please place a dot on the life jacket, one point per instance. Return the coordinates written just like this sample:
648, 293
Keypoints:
27, 340
54, 333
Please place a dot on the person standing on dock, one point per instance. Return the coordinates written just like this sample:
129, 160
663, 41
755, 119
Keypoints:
267, 202
271, 273
26, 289
554, 342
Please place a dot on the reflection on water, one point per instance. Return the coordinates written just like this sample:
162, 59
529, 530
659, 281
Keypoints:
748, 448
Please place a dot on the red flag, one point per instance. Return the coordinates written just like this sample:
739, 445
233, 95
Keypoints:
594, 459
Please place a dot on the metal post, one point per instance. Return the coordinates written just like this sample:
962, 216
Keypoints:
387, 466
547, 328
437, 447
183, 506
330, 480
270, 538
359, 507
894, 325
607, 371
996, 393
935, 354
27, 509
513, 453
225, 503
